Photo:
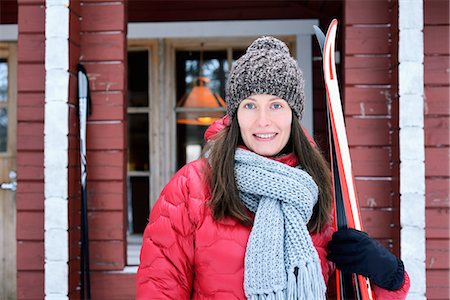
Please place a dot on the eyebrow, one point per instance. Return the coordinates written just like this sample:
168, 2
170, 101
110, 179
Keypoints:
271, 99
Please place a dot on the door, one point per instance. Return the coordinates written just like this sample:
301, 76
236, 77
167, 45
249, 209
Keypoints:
7, 171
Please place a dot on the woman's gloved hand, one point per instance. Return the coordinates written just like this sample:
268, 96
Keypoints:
354, 251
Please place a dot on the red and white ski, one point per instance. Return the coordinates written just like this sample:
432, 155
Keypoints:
349, 286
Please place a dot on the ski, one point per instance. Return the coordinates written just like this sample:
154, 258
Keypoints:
83, 111
347, 215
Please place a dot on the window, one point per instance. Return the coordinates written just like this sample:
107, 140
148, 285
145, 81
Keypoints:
190, 65
3, 105
138, 141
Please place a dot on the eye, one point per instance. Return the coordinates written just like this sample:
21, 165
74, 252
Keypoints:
277, 106
249, 105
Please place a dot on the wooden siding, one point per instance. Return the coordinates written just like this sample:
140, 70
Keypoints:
30, 149
74, 189
371, 112
437, 151
102, 51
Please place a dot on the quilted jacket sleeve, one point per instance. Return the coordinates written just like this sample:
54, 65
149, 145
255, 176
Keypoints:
399, 294
167, 253
320, 241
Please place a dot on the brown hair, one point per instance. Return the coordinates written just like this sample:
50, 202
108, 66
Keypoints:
225, 199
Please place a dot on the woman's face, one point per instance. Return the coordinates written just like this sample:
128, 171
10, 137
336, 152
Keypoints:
265, 123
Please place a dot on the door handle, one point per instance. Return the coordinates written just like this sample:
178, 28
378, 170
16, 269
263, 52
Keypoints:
12, 186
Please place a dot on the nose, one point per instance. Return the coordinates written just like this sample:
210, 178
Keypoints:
263, 118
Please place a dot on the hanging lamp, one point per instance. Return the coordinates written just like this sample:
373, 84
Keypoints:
200, 106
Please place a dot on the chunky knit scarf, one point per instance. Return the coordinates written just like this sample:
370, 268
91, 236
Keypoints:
280, 261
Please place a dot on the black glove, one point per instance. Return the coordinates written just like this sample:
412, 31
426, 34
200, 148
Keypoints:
353, 251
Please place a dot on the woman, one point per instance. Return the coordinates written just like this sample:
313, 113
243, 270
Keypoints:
252, 218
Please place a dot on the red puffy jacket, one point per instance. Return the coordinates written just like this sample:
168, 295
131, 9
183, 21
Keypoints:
187, 254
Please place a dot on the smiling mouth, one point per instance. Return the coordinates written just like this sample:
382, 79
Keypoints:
264, 135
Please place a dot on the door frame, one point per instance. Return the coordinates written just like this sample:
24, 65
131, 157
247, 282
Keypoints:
168, 32
8, 241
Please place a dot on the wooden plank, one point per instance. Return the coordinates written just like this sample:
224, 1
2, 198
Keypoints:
437, 254
106, 165
436, 70
367, 40
30, 165
106, 195
436, 40
367, 70
165, 11
30, 285
8, 12
74, 278
437, 192
109, 136
31, 113
30, 136
107, 17
75, 23
436, 12
380, 224
367, 131
32, 48
107, 255
437, 162
32, 77
27, 173
103, 77
30, 195
123, 283
74, 59
31, 19
107, 106
374, 193
437, 223
30, 256
437, 131
103, 47
106, 225
366, 101
438, 284
30, 100
370, 161
436, 100
30, 225
367, 12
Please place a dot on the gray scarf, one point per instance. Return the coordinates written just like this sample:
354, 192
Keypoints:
280, 261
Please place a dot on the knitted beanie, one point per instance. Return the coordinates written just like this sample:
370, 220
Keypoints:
266, 68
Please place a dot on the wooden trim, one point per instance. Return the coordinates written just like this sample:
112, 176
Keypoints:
411, 144
9, 51
9, 32
216, 28
8, 251
56, 155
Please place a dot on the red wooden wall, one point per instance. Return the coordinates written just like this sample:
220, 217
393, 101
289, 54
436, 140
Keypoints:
371, 113
437, 151
98, 39
74, 191
30, 150
102, 51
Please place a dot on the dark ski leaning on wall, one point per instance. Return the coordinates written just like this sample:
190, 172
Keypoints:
83, 112
348, 286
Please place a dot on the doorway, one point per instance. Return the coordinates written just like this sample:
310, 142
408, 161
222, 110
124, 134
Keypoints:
8, 65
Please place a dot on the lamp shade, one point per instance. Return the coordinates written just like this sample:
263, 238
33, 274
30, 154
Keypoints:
200, 106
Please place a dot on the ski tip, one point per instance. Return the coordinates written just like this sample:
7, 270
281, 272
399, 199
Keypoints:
320, 36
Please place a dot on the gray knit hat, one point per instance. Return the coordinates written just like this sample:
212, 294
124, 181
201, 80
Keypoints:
266, 68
